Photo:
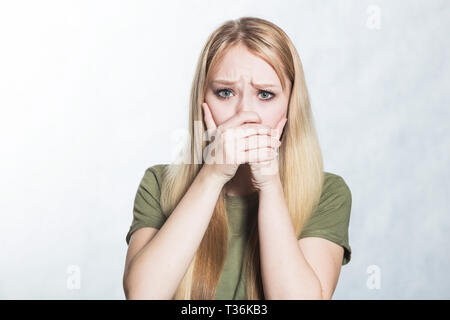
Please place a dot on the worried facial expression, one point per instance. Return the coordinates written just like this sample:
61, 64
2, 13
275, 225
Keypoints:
244, 81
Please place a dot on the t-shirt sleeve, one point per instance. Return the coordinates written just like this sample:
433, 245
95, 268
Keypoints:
147, 211
331, 218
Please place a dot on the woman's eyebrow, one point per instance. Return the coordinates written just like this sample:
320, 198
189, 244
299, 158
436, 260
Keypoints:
227, 82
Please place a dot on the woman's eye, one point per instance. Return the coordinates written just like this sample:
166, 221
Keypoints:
266, 94
222, 90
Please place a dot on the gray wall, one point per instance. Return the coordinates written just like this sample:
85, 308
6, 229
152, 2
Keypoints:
91, 94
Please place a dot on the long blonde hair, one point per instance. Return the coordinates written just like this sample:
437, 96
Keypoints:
300, 157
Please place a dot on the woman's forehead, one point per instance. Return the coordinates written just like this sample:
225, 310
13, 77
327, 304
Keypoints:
249, 69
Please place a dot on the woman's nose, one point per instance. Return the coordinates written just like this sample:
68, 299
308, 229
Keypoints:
246, 103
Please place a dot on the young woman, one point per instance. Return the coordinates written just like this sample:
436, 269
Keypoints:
234, 229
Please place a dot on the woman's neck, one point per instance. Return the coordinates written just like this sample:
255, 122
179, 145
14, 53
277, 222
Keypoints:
240, 184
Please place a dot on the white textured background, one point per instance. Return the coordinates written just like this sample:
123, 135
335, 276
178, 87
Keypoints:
91, 92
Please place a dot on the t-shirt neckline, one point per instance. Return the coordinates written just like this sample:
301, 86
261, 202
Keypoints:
241, 200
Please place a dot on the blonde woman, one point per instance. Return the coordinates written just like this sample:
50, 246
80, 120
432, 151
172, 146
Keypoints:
230, 230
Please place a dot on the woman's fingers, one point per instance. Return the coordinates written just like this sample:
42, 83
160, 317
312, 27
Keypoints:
209, 120
260, 155
257, 141
243, 138
241, 118
251, 152
279, 127
249, 129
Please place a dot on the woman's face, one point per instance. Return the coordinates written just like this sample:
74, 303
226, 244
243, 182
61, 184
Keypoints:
244, 81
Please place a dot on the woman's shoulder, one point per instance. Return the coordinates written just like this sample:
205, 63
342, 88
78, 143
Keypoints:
335, 184
154, 175
157, 169
332, 213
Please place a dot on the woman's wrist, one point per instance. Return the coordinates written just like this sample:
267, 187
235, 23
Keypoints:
272, 187
208, 176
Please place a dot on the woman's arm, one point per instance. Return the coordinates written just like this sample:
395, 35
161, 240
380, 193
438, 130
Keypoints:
158, 268
285, 272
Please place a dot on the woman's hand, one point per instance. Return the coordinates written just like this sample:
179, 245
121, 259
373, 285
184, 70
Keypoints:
231, 139
265, 172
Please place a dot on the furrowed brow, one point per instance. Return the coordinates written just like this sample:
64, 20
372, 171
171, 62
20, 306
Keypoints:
227, 82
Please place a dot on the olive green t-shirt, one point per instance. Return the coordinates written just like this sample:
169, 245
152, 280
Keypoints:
330, 221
